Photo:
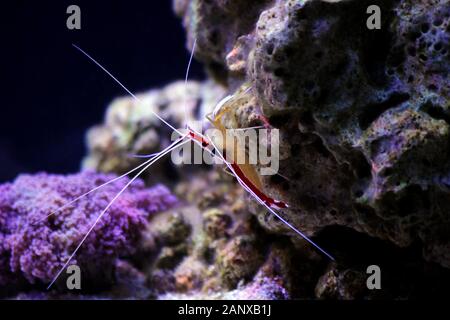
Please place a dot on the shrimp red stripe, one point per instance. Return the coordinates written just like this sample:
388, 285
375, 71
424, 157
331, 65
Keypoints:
265, 198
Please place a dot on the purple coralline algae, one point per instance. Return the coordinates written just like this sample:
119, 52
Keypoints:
34, 248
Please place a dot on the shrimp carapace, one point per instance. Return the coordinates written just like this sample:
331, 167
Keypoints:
224, 112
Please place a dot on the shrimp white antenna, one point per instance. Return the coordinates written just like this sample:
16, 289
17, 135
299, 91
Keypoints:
92, 190
125, 88
137, 156
174, 145
186, 80
242, 183
143, 156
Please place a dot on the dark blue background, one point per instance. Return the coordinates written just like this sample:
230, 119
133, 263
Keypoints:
51, 94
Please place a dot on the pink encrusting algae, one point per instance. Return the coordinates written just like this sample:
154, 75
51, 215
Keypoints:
35, 248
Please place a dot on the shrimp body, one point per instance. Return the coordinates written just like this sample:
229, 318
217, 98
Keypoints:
245, 172
241, 173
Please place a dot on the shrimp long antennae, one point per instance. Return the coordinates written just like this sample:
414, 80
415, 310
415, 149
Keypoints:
123, 86
153, 158
92, 190
136, 156
277, 215
186, 80
143, 156
162, 154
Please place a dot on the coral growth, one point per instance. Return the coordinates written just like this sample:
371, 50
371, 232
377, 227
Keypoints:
34, 247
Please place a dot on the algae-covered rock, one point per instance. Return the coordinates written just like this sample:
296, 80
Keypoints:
131, 128
363, 113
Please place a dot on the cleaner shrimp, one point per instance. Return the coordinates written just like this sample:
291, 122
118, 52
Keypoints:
245, 174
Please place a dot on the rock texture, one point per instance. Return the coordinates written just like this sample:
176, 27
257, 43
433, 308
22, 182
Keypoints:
363, 113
